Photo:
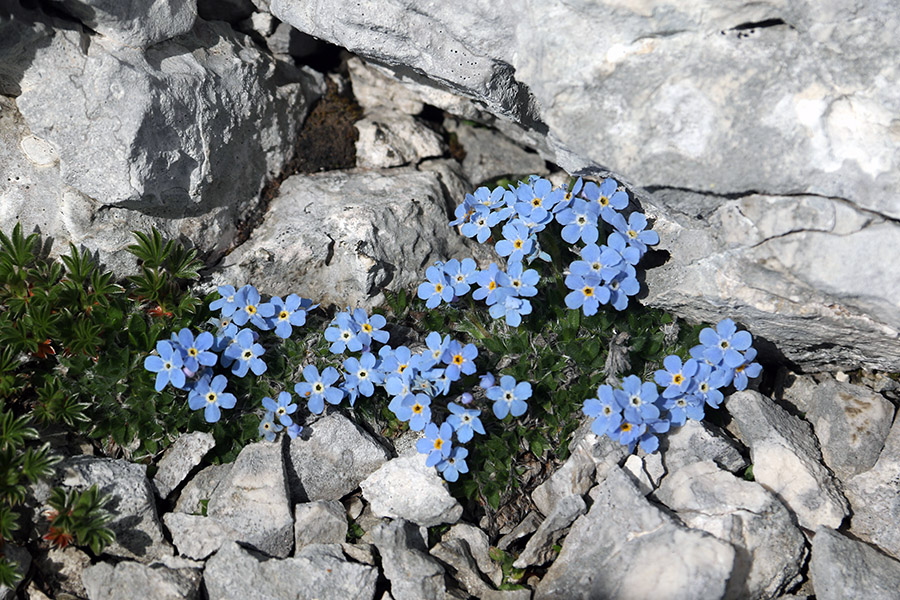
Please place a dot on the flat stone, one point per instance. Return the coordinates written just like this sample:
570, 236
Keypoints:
320, 522
200, 488
107, 582
576, 476
181, 457
132, 504
539, 549
414, 575
787, 461
330, 460
851, 423
253, 500
479, 546
665, 559
61, 568
696, 441
393, 139
526, 526
463, 568
195, 536
875, 498
844, 568
139, 24
634, 464
405, 488
490, 154
373, 89
319, 571
770, 549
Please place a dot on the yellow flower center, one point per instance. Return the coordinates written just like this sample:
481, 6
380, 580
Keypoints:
458, 359
536, 202
626, 427
603, 200
588, 291
250, 309
518, 244
367, 328
438, 288
418, 408
283, 315
211, 397
401, 368
438, 443
677, 379
632, 233
492, 285
193, 352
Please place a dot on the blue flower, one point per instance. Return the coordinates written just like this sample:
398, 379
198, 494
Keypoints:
509, 397
604, 409
435, 348
648, 440
460, 359
288, 313
588, 294
343, 332
245, 353
454, 464
623, 285
517, 242
638, 399
746, 369
436, 443
616, 243
601, 263
707, 382
681, 408
634, 231
211, 396
318, 388
491, 281
371, 326
251, 309
580, 222
268, 427
398, 361
725, 343
281, 409
167, 366
512, 308
227, 302
437, 287
522, 282
569, 196
480, 223
196, 352
606, 196
361, 376
676, 377
460, 274
537, 198
416, 409
465, 422
627, 433
294, 430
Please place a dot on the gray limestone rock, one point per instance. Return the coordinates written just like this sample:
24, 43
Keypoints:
664, 559
319, 571
539, 549
696, 441
769, 548
135, 24
851, 423
841, 568
574, 477
479, 546
185, 454
786, 460
331, 458
373, 89
393, 139
405, 488
179, 135
132, 504
347, 236
490, 154
200, 488
253, 500
414, 575
634, 464
107, 582
320, 522
875, 498
195, 536
463, 568
61, 568
526, 526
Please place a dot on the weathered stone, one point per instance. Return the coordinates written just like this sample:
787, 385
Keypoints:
844, 568
787, 461
107, 582
348, 236
132, 504
320, 522
414, 575
769, 548
479, 546
138, 24
182, 456
361, 553
195, 536
374, 90
697, 440
61, 569
799, 391
178, 132
526, 526
851, 423
606, 453
875, 498
490, 154
194, 497
253, 500
574, 477
331, 458
464, 570
319, 571
665, 560
405, 488
392, 139
634, 464
539, 549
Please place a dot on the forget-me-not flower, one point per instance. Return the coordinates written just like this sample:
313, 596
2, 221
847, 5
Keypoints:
210, 395
436, 289
282, 409
167, 366
317, 388
245, 353
436, 443
465, 422
509, 397
454, 464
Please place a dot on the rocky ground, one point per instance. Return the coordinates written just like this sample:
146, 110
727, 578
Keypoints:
300, 167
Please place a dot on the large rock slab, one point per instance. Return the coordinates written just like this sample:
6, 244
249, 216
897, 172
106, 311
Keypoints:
347, 236
413, 573
319, 571
181, 457
625, 547
137, 24
104, 581
841, 567
253, 502
684, 97
179, 132
696, 441
875, 498
331, 459
770, 548
787, 461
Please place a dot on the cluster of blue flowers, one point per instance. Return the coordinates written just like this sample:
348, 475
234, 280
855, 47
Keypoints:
638, 412
187, 362
604, 273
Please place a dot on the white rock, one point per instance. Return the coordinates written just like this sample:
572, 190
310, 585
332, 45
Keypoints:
137, 24
195, 536
414, 575
841, 568
107, 582
320, 522
392, 139
178, 460
696, 441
